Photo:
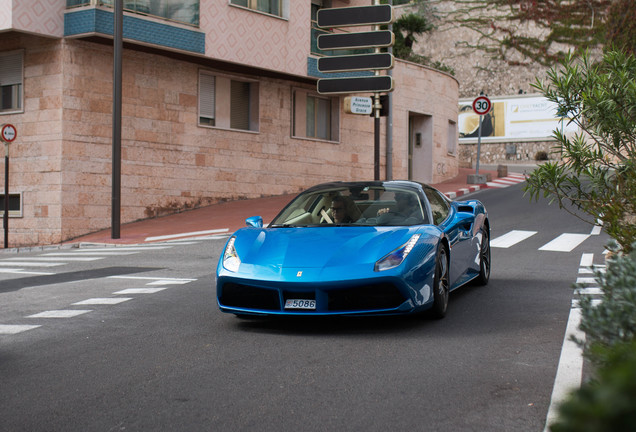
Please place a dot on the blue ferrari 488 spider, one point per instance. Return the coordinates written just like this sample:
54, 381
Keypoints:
356, 248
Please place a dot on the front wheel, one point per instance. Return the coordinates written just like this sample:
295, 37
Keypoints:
484, 258
440, 284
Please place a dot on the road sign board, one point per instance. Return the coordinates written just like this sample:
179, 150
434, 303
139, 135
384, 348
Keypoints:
482, 105
377, 83
8, 133
355, 62
355, 16
358, 105
334, 41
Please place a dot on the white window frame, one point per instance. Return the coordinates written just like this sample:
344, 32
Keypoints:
13, 75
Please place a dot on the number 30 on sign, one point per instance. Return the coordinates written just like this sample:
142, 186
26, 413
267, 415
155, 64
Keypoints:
482, 105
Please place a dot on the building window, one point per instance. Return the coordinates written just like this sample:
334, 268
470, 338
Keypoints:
183, 11
272, 7
315, 116
15, 205
452, 137
228, 103
11, 71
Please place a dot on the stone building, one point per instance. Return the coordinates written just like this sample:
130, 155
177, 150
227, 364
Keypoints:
219, 103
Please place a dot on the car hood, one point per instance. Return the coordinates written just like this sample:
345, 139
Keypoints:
305, 248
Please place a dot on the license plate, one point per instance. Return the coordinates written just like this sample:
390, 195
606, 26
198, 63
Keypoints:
300, 304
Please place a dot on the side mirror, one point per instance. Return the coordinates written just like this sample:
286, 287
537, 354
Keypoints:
254, 221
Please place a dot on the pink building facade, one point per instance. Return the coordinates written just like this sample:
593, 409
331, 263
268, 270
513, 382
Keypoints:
219, 103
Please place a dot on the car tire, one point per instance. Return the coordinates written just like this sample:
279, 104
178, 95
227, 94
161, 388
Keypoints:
484, 258
441, 289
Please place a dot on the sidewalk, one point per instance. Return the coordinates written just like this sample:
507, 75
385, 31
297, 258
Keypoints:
228, 217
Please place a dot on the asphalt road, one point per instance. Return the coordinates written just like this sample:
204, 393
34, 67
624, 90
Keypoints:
164, 358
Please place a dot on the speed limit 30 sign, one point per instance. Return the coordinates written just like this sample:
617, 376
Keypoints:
482, 105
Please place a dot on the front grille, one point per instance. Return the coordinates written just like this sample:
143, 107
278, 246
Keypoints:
369, 297
249, 297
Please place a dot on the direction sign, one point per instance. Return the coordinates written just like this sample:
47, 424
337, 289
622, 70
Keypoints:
377, 83
8, 133
482, 105
355, 62
334, 41
355, 16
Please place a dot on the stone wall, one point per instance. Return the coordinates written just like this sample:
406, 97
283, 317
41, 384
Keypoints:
494, 153
62, 159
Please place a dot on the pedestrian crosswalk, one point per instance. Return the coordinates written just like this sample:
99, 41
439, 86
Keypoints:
565, 242
48, 262
153, 285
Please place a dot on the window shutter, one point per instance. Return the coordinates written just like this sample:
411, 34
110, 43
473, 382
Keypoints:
206, 96
11, 69
240, 105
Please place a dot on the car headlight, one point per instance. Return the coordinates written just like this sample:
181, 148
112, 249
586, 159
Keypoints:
231, 260
396, 257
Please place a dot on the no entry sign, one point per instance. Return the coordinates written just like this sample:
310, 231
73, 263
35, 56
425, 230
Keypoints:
8, 133
482, 105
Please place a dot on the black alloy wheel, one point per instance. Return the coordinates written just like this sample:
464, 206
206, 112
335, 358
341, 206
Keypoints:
440, 284
484, 258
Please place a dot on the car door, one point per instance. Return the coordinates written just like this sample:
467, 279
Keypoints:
457, 228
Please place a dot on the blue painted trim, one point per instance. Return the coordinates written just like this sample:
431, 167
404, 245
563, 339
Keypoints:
101, 21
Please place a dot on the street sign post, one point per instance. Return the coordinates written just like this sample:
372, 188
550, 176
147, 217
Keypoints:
481, 106
8, 134
375, 15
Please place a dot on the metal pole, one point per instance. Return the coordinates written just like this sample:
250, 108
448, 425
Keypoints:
118, 18
5, 217
376, 133
389, 121
376, 124
478, 144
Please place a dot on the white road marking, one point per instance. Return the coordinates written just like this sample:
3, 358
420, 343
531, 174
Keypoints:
31, 264
169, 282
139, 291
587, 260
564, 243
586, 280
64, 313
15, 329
21, 271
49, 259
128, 248
176, 280
190, 234
510, 239
103, 301
570, 370
589, 291
88, 252
596, 230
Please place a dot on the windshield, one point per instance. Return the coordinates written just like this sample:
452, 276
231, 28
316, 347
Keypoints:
355, 206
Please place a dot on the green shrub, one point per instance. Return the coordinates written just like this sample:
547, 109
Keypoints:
608, 403
613, 321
